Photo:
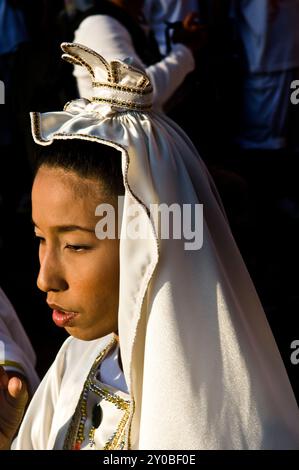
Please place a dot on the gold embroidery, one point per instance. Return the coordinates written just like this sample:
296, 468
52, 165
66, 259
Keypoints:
144, 82
115, 440
76, 431
114, 72
145, 91
36, 129
67, 47
14, 364
124, 104
77, 60
72, 54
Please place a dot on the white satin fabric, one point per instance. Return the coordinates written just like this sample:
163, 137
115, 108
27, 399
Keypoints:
50, 412
110, 38
199, 358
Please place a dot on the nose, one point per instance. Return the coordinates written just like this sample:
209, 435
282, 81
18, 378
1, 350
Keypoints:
51, 276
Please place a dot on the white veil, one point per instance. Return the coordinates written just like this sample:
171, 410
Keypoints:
201, 363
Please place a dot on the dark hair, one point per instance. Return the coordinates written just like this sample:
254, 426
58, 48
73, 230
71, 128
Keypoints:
85, 158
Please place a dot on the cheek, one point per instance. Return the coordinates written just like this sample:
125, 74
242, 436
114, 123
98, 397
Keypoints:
106, 270
97, 279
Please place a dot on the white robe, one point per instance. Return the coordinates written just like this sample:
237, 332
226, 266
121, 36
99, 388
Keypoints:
109, 37
50, 412
157, 12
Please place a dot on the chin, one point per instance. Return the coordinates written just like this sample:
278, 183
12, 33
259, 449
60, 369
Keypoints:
88, 335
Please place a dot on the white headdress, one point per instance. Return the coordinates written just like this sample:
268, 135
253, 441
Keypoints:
199, 357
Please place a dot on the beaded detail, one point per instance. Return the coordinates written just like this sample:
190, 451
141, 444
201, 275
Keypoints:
76, 433
115, 83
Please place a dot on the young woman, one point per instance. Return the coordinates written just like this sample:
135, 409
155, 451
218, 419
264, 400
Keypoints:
169, 346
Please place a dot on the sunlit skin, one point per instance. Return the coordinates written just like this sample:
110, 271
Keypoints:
78, 272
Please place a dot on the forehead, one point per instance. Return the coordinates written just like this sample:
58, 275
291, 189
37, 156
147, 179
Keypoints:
60, 197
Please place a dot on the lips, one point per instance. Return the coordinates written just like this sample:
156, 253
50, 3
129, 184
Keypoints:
62, 317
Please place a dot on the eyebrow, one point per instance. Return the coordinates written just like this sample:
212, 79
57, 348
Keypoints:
68, 228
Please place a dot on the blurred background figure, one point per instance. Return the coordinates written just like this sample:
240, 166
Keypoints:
266, 139
116, 29
269, 35
206, 101
159, 13
268, 122
16, 353
265, 151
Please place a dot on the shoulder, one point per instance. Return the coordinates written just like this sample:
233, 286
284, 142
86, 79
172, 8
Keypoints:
74, 360
101, 24
103, 34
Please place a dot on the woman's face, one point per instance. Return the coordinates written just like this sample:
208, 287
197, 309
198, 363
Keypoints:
79, 272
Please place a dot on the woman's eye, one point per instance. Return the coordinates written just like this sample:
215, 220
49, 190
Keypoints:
77, 247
